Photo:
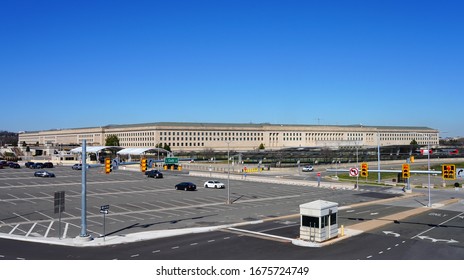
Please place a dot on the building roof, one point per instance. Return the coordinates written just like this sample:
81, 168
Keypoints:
94, 149
139, 151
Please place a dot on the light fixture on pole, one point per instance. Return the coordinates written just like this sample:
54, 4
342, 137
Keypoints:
228, 173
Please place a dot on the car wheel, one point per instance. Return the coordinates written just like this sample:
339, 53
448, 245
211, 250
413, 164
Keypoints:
177, 188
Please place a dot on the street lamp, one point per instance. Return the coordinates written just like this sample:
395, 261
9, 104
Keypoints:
228, 173
428, 165
378, 156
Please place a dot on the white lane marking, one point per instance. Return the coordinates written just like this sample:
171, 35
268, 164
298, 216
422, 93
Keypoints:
193, 244
14, 229
174, 248
437, 225
30, 230
65, 230
48, 229
209, 241
19, 216
368, 257
157, 251
136, 255
38, 212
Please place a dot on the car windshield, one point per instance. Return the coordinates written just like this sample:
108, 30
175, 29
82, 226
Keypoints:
216, 182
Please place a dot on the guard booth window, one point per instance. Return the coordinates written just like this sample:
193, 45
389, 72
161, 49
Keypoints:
308, 221
333, 219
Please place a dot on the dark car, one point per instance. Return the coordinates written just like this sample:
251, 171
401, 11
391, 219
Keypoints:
37, 165
43, 173
186, 186
15, 165
28, 164
154, 174
47, 165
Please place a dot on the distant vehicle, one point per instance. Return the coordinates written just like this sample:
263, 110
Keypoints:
43, 173
37, 165
154, 174
28, 164
186, 186
47, 165
214, 184
3, 163
78, 166
308, 168
15, 165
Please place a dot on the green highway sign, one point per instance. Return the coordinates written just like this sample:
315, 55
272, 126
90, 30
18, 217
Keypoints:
171, 160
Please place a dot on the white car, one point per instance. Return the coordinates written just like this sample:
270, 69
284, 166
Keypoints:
308, 168
214, 184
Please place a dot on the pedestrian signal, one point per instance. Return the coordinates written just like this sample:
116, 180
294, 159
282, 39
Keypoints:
364, 169
143, 164
405, 171
107, 165
448, 172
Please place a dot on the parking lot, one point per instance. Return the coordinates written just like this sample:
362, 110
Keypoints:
137, 203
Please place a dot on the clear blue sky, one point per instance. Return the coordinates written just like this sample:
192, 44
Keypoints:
67, 64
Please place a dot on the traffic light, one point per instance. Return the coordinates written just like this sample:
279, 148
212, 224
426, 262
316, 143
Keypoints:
448, 172
364, 169
143, 164
107, 165
405, 171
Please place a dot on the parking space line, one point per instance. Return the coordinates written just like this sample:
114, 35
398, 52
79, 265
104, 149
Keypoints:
136, 206
38, 212
125, 209
31, 199
30, 230
114, 219
17, 225
152, 205
65, 230
48, 229
19, 216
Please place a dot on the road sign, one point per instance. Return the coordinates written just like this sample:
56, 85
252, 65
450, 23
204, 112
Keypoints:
354, 172
459, 173
171, 160
104, 207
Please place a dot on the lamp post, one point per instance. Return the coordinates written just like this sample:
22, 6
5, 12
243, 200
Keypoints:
378, 156
428, 169
228, 173
429, 204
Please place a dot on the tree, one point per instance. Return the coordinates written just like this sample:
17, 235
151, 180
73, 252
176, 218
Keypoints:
166, 147
112, 140
261, 147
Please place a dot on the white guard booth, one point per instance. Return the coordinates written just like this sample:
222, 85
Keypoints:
319, 221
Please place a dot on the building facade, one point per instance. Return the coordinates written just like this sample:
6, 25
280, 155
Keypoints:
240, 137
